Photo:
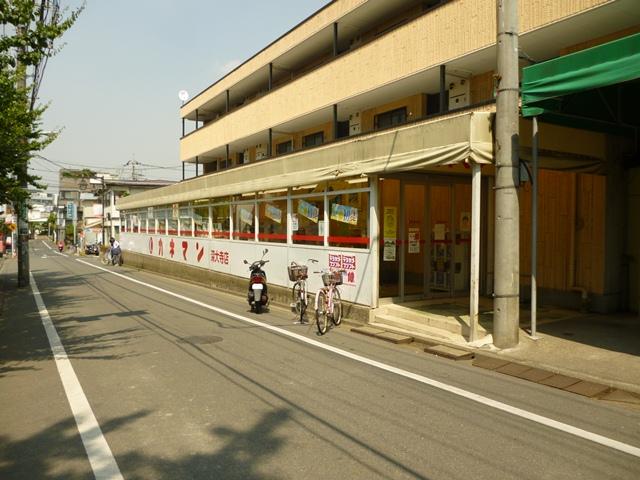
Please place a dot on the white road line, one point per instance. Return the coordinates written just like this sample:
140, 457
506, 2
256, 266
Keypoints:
564, 427
57, 253
102, 462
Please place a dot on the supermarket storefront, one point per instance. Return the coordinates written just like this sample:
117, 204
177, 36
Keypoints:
327, 204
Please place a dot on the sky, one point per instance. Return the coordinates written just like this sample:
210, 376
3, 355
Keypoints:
113, 88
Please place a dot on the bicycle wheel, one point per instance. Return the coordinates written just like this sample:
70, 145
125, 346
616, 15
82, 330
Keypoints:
105, 259
336, 316
296, 298
322, 319
304, 300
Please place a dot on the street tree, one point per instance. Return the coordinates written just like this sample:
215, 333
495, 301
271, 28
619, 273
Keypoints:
30, 32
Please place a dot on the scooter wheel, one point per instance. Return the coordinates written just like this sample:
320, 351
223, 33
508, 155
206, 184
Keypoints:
259, 308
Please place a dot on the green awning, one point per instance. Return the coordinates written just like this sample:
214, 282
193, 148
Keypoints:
597, 88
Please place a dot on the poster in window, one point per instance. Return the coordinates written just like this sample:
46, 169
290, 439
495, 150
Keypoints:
390, 222
414, 240
295, 224
308, 210
465, 221
150, 213
246, 216
344, 214
175, 211
389, 250
273, 212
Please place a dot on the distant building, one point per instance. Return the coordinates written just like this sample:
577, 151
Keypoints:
82, 197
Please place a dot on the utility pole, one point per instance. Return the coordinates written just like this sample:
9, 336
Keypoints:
507, 208
22, 210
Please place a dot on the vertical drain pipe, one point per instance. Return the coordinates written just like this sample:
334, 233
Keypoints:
534, 229
475, 251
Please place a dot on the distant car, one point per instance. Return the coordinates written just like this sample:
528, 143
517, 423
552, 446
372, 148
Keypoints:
92, 249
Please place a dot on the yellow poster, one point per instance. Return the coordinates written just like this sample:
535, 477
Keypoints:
390, 222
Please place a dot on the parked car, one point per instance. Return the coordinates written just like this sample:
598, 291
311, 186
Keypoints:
92, 249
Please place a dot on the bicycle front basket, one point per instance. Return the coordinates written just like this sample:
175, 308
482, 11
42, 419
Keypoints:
296, 272
330, 278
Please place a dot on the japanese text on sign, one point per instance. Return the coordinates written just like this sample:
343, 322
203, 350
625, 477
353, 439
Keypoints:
347, 263
220, 256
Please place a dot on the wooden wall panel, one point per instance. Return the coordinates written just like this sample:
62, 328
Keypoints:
565, 200
482, 87
590, 218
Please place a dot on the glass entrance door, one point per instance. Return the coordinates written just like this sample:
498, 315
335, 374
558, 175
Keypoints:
413, 235
389, 192
440, 240
425, 230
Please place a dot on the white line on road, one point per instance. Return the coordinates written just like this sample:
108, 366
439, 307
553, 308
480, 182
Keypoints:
564, 427
57, 253
102, 462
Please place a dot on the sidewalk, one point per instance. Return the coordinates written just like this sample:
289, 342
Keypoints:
591, 354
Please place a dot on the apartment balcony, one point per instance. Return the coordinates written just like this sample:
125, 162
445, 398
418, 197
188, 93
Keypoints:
405, 61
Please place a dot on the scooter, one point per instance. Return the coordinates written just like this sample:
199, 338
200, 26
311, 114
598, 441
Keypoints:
257, 295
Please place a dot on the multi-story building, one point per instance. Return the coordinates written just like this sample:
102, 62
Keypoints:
114, 190
41, 205
352, 139
85, 195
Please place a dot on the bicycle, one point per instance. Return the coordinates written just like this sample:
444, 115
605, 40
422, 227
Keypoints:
328, 301
107, 258
299, 294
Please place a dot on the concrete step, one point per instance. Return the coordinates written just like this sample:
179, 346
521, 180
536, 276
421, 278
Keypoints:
419, 331
426, 321
449, 352
457, 324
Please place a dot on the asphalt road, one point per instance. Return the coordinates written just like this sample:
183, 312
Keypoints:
181, 391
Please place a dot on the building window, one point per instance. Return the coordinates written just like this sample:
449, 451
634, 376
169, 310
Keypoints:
172, 226
284, 147
313, 140
349, 220
161, 215
142, 217
390, 118
186, 228
243, 222
272, 221
307, 220
201, 221
220, 221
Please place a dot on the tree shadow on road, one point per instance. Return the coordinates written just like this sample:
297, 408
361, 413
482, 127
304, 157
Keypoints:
54, 452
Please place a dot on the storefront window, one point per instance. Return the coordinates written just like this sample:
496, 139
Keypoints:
151, 220
135, 226
349, 220
186, 227
172, 225
220, 221
142, 217
201, 221
243, 221
307, 220
272, 221
161, 216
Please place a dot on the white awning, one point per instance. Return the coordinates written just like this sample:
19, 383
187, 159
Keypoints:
440, 141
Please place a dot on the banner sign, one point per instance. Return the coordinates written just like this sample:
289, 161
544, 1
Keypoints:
308, 210
344, 214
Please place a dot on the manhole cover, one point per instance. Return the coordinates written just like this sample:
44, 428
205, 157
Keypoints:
201, 339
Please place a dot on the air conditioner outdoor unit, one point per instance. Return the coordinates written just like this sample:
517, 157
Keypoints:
459, 93
261, 152
354, 124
